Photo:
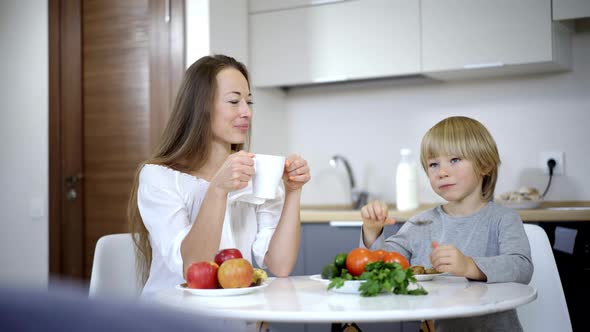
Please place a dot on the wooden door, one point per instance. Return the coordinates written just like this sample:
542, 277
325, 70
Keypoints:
115, 67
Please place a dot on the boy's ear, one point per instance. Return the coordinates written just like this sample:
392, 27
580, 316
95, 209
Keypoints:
486, 170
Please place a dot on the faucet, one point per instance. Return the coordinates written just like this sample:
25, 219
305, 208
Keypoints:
358, 197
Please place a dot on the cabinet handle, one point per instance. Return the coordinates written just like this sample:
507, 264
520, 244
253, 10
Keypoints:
323, 2
346, 223
483, 65
325, 79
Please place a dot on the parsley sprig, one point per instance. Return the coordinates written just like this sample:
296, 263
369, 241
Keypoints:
381, 277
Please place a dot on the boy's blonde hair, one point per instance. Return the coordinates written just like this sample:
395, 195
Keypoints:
468, 139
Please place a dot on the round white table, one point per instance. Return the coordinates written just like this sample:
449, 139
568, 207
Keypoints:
301, 299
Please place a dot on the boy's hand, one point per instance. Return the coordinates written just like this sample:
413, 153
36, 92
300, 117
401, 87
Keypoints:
375, 217
447, 258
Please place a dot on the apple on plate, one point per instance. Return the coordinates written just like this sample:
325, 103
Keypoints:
235, 273
225, 254
202, 275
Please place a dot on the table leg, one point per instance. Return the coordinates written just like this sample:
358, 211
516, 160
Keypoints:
427, 326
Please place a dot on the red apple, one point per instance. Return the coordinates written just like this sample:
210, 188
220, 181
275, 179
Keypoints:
226, 254
235, 273
202, 275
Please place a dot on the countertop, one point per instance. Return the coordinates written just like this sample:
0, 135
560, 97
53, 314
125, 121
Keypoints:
548, 212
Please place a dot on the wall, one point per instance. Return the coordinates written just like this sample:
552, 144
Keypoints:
196, 30
24, 142
369, 123
229, 35
221, 27
216, 27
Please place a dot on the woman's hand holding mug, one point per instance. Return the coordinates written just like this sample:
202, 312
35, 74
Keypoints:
235, 172
296, 173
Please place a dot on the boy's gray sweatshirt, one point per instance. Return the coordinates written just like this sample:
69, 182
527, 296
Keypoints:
493, 237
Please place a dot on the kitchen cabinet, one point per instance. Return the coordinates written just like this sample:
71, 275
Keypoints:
570, 9
338, 41
465, 38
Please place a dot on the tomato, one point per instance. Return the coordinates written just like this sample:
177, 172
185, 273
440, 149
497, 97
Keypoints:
379, 254
357, 259
395, 257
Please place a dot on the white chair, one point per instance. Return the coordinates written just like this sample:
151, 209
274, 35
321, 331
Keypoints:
549, 311
114, 272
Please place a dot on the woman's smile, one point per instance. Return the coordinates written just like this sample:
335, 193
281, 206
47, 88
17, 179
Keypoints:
242, 127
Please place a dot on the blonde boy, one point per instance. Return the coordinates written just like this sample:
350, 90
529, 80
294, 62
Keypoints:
470, 236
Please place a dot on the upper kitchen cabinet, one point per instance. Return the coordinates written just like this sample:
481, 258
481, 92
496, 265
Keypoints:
478, 38
336, 41
570, 9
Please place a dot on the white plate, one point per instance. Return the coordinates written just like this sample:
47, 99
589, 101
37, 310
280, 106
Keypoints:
427, 277
349, 287
222, 291
318, 277
352, 286
522, 205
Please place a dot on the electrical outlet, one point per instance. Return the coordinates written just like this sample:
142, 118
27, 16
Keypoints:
559, 162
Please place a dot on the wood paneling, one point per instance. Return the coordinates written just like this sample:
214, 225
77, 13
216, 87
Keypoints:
66, 246
101, 119
177, 55
166, 63
71, 134
54, 146
116, 110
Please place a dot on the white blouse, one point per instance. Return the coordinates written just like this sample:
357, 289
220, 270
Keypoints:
169, 201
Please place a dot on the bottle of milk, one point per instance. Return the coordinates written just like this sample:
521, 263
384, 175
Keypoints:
406, 182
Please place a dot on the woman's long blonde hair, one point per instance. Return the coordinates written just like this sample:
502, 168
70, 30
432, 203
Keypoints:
466, 138
185, 143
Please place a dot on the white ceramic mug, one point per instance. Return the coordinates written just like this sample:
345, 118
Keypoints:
268, 171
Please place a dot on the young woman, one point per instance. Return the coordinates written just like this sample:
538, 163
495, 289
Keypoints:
180, 209
470, 236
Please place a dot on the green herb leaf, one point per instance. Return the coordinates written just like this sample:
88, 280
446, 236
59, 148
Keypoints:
380, 277
388, 277
336, 283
